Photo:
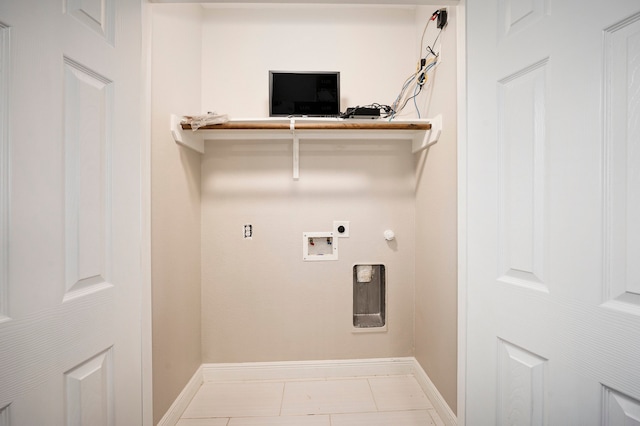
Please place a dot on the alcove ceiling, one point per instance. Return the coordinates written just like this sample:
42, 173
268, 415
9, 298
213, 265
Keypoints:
311, 2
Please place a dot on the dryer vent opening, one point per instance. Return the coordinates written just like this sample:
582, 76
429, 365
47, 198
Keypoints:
369, 296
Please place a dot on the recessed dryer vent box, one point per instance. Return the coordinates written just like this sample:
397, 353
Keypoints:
369, 297
318, 246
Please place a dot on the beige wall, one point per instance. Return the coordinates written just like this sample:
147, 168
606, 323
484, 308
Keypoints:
175, 205
260, 300
374, 48
436, 229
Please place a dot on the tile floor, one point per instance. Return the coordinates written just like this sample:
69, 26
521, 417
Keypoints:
358, 401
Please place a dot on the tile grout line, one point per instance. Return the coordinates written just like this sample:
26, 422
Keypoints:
373, 396
432, 414
284, 386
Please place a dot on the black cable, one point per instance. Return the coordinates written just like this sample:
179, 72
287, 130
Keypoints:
351, 112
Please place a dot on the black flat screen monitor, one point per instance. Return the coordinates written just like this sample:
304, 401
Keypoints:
302, 93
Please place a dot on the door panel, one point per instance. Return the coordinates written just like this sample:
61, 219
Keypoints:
87, 116
89, 392
553, 184
622, 156
521, 174
521, 385
70, 288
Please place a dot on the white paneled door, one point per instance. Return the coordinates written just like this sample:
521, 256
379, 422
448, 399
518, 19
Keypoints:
553, 218
70, 231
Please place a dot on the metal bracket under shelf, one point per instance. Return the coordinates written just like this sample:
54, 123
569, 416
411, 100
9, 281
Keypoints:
195, 140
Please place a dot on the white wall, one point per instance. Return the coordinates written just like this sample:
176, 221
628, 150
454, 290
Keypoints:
260, 301
175, 205
436, 224
373, 48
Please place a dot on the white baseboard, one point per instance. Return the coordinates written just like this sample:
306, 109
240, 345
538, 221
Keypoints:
174, 413
441, 406
308, 370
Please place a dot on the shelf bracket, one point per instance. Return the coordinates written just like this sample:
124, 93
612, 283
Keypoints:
424, 141
187, 138
296, 150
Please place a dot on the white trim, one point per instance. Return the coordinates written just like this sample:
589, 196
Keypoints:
295, 370
5, 168
185, 138
462, 209
146, 320
430, 137
314, 4
442, 408
289, 370
174, 412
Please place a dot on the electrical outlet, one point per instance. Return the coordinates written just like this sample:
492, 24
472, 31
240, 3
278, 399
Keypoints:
247, 231
442, 18
341, 228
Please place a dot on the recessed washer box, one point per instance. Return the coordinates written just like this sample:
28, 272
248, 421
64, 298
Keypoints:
319, 246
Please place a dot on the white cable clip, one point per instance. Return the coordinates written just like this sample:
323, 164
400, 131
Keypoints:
296, 149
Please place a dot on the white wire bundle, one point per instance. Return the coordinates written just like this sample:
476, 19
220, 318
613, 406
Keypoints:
415, 82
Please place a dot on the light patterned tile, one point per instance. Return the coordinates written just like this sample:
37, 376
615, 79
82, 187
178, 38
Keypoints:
313, 420
203, 422
324, 397
236, 400
395, 393
387, 418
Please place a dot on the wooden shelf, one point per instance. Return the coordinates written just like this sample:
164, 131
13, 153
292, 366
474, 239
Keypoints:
421, 133
316, 125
